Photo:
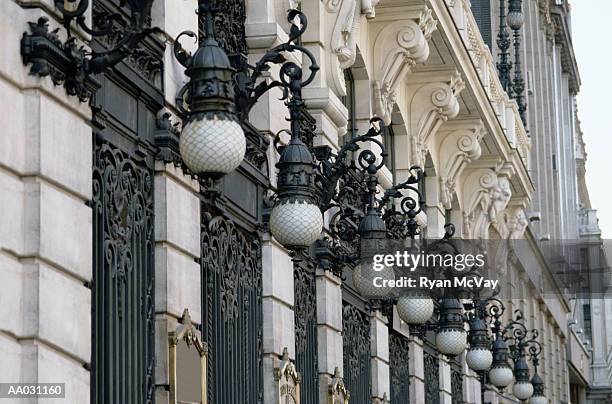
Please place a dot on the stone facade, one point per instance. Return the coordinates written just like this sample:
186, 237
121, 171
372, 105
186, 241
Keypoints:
421, 66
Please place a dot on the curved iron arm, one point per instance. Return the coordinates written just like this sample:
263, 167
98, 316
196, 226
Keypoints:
290, 77
401, 220
334, 166
72, 65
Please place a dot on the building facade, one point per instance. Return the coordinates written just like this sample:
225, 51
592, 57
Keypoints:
106, 239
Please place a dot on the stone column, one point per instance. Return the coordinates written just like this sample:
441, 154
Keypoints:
416, 371
278, 315
381, 384
446, 393
329, 323
45, 223
471, 384
177, 272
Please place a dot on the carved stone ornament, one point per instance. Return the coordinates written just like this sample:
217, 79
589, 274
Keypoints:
486, 195
398, 47
345, 34
476, 202
180, 341
458, 147
516, 222
338, 394
288, 379
431, 104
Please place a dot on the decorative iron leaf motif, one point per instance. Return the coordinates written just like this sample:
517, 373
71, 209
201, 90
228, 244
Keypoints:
257, 146
145, 61
357, 357
456, 385
123, 285
432, 378
232, 310
305, 309
399, 368
230, 17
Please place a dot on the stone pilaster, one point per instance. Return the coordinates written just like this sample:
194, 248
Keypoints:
446, 393
416, 371
177, 272
380, 357
329, 323
45, 223
278, 315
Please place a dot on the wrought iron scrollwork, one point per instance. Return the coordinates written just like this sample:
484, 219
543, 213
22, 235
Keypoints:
248, 84
401, 218
456, 385
232, 305
123, 282
357, 358
306, 342
229, 26
72, 65
432, 378
399, 360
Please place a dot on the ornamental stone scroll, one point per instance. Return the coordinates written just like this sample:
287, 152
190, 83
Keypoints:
343, 36
459, 145
398, 46
431, 102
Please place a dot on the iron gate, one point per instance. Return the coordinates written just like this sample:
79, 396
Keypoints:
357, 356
456, 383
432, 376
123, 313
399, 368
305, 309
232, 310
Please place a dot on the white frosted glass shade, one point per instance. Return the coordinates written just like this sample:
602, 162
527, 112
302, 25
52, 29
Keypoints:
364, 278
213, 146
538, 400
415, 310
451, 342
501, 376
296, 223
522, 390
479, 359
515, 20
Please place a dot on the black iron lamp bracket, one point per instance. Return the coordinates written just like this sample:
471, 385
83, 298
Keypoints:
73, 65
249, 84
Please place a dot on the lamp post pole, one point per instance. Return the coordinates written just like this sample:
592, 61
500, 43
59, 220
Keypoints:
504, 66
515, 21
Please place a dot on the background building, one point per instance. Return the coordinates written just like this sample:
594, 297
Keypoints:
103, 232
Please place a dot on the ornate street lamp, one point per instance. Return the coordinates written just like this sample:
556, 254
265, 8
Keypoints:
212, 142
479, 356
538, 397
504, 66
515, 22
500, 375
538, 390
522, 389
451, 337
415, 309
